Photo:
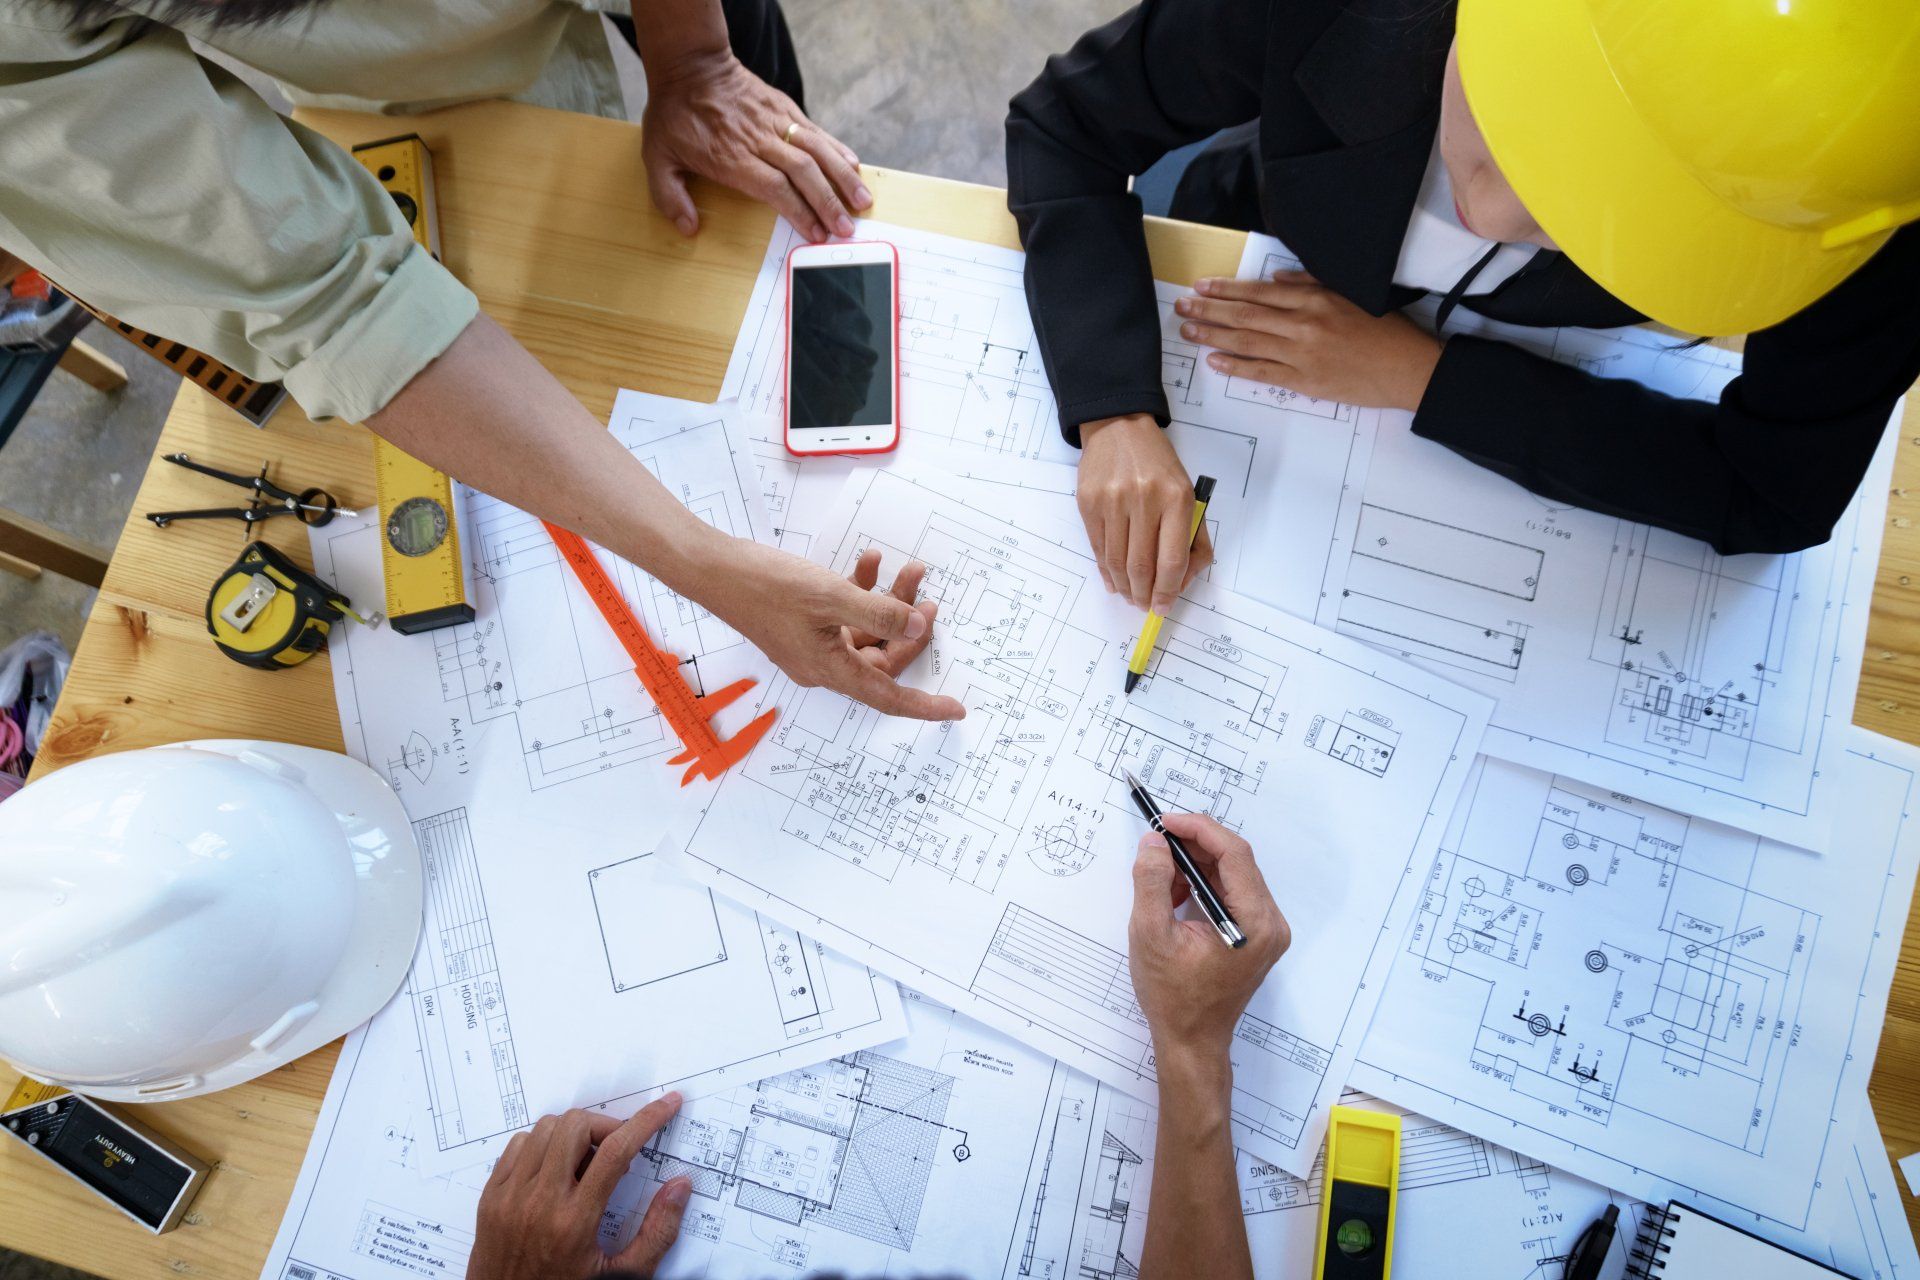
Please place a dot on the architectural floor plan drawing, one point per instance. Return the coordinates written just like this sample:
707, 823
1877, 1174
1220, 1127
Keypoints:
561, 964
987, 861
1290, 470
1624, 655
1667, 1006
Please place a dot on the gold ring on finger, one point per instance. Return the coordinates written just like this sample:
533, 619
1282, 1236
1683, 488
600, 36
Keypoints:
792, 129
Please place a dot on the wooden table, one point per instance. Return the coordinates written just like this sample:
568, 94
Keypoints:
546, 217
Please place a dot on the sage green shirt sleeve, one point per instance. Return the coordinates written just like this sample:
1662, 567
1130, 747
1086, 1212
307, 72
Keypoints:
159, 188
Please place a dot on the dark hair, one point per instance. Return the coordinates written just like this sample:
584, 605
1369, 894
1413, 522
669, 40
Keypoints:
218, 13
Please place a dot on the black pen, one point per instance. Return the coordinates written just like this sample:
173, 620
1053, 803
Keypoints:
1589, 1252
1202, 891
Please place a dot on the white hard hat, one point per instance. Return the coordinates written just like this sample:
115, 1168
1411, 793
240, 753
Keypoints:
182, 919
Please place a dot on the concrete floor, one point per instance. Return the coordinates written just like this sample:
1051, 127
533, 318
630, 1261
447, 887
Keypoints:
909, 84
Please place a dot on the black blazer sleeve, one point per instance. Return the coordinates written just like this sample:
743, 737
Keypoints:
1159, 76
1769, 468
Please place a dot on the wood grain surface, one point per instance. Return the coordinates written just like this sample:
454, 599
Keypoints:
546, 216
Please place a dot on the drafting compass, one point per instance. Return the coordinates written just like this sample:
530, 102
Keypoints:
313, 507
688, 712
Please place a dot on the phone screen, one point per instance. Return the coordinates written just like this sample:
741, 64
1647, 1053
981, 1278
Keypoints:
842, 358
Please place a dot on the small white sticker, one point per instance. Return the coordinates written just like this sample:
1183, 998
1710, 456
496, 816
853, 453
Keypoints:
1911, 1167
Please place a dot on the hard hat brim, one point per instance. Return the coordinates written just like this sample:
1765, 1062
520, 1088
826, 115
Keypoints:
389, 902
1612, 195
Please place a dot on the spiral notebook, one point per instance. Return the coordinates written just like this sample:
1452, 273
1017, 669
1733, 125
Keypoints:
1682, 1243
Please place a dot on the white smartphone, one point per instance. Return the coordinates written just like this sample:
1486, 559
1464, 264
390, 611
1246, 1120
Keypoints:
843, 348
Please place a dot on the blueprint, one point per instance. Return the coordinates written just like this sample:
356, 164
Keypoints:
1466, 1207
1620, 654
1865, 1219
562, 963
1289, 468
988, 861
1666, 1006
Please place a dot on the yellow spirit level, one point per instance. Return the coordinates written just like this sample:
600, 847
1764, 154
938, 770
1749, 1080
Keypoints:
428, 584
1356, 1196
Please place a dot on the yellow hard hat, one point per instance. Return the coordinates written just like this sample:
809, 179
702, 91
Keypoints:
1715, 164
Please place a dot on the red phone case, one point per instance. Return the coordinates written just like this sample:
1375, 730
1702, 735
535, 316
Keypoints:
786, 361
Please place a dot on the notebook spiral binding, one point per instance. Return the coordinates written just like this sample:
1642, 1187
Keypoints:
1647, 1259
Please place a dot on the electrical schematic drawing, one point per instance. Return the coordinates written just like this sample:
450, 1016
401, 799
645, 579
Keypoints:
1620, 960
587, 714
848, 1146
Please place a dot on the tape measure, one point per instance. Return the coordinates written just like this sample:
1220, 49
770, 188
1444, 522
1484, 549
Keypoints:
1356, 1196
268, 612
659, 671
28, 1091
429, 584
137, 1171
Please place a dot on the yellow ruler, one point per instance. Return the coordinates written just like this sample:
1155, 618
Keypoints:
30, 1091
428, 583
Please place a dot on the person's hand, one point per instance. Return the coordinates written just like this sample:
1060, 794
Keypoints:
709, 115
1191, 986
540, 1212
1293, 332
825, 630
1137, 502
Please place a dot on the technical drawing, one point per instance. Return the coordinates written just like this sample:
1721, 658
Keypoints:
1271, 396
1676, 1010
779, 476
799, 979
847, 1146
1177, 370
459, 1009
586, 714
683, 932
1363, 739
1064, 849
882, 794
1699, 642
1038, 968
1103, 1256
994, 820
414, 758
1399, 557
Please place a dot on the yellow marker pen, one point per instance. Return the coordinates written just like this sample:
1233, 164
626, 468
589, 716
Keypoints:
1150, 629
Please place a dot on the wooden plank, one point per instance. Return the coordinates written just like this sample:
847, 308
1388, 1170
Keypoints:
17, 567
50, 549
547, 217
93, 367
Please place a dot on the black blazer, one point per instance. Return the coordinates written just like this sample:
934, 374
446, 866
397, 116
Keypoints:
1347, 97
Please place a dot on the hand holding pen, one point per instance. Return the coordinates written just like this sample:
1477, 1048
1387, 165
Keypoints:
1191, 988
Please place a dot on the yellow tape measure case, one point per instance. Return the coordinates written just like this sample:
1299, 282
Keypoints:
268, 612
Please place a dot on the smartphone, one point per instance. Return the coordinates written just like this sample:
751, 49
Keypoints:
843, 348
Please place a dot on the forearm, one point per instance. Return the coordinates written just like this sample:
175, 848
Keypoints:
487, 413
1194, 1223
671, 33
